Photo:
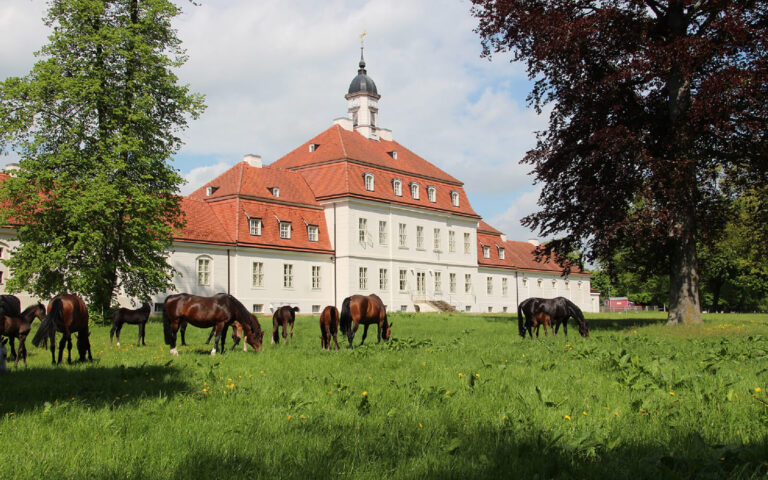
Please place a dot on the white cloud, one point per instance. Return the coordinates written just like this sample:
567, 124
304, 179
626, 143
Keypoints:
200, 175
509, 220
275, 73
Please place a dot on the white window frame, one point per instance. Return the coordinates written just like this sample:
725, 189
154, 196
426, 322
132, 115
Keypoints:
419, 237
383, 232
438, 282
502, 253
452, 283
403, 235
455, 198
431, 194
285, 230
421, 282
363, 278
369, 182
254, 226
383, 279
403, 280
486, 251
287, 275
467, 283
504, 286
313, 233
451, 241
397, 187
204, 269
467, 243
437, 241
316, 277
362, 228
414, 190
489, 285
257, 275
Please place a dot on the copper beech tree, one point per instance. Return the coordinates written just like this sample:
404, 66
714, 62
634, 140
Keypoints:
655, 106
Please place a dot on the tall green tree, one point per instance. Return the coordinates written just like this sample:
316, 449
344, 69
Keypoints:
654, 103
95, 124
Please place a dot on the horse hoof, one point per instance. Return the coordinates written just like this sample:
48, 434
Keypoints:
213, 352
174, 352
118, 344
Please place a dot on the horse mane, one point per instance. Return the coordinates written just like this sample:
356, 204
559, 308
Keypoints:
345, 318
48, 325
520, 313
575, 312
243, 312
166, 321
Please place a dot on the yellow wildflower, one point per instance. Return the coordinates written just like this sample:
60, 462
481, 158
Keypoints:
567, 417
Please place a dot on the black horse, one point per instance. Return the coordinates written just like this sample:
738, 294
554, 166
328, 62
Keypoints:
10, 306
19, 327
559, 310
139, 317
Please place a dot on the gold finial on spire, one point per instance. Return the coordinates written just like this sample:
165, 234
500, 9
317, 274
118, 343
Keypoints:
362, 38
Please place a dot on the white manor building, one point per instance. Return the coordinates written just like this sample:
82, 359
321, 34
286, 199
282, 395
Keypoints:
351, 211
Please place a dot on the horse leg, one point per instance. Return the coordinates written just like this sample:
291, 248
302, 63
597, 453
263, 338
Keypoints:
379, 328
142, 331
365, 333
22, 351
334, 341
291, 323
62, 344
52, 341
115, 330
275, 337
285, 331
216, 339
183, 329
14, 354
174, 326
210, 335
351, 333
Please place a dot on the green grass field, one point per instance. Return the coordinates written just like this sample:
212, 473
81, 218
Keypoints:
450, 396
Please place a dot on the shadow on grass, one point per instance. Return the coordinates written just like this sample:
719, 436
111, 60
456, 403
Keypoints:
31, 388
595, 324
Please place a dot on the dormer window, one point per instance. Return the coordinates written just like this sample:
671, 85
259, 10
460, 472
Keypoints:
209, 190
501, 253
313, 233
486, 251
431, 194
393, 154
369, 185
254, 226
285, 230
397, 187
313, 147
414, 190
455, 198
276, 192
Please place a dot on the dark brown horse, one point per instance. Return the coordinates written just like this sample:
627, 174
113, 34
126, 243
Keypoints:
19, 327
283, 316
67, 314
329, 326
218, 311
366, 310
9, 305
139, 317
237, 333
559, 310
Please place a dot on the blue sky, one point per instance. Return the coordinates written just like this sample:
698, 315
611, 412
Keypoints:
275, 73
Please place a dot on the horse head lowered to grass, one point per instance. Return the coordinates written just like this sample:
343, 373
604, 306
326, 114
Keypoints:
534, 311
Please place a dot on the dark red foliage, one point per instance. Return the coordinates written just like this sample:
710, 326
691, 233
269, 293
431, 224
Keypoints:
654, 103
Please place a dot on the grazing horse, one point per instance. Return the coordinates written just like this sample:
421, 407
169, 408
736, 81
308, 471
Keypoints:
329, 325
19, 327
237, 333
10, 305
284, 316
66, 313
367, 310
218, 311
139, 317
559, 310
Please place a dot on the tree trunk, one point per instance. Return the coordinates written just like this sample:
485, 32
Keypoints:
684, 306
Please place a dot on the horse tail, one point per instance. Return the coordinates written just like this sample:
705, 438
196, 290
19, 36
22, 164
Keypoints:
167, 324
48, 325
345, 318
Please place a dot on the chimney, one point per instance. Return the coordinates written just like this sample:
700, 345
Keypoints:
253, 160
534, 242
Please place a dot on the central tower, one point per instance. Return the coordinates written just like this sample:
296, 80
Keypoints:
363, 102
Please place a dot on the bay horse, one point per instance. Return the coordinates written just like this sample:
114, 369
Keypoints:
218, 311
283, 316
559, 310
329, 325
366, 310
68, 314
237, 333
19, 327
139, 317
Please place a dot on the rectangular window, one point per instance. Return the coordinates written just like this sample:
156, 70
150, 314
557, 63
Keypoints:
362, 227
287, 275
363, 278
257, 274
489, 285
254, 226
315, 277
467, 244
501, 253
403, 236
382, 232
257, 308
383, 279
421, 282
403, 280
452, 282
438, 282
285, 230
486, 251
315, 308
467, 283
438, 245
504, 287
420, 238
451, 241
203, 271
313, 233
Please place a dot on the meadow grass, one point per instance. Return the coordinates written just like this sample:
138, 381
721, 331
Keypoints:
450, 396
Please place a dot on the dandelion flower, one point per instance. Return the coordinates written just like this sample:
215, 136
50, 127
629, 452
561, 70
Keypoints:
672, 393
584, 413
567, 417
365, 394
758, 389
420, 425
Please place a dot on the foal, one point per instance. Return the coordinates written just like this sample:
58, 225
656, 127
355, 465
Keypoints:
329, 325
138, 317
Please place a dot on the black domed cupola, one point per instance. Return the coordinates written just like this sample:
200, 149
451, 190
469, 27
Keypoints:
362, 82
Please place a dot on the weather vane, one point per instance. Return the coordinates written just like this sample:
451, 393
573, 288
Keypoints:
362, 38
